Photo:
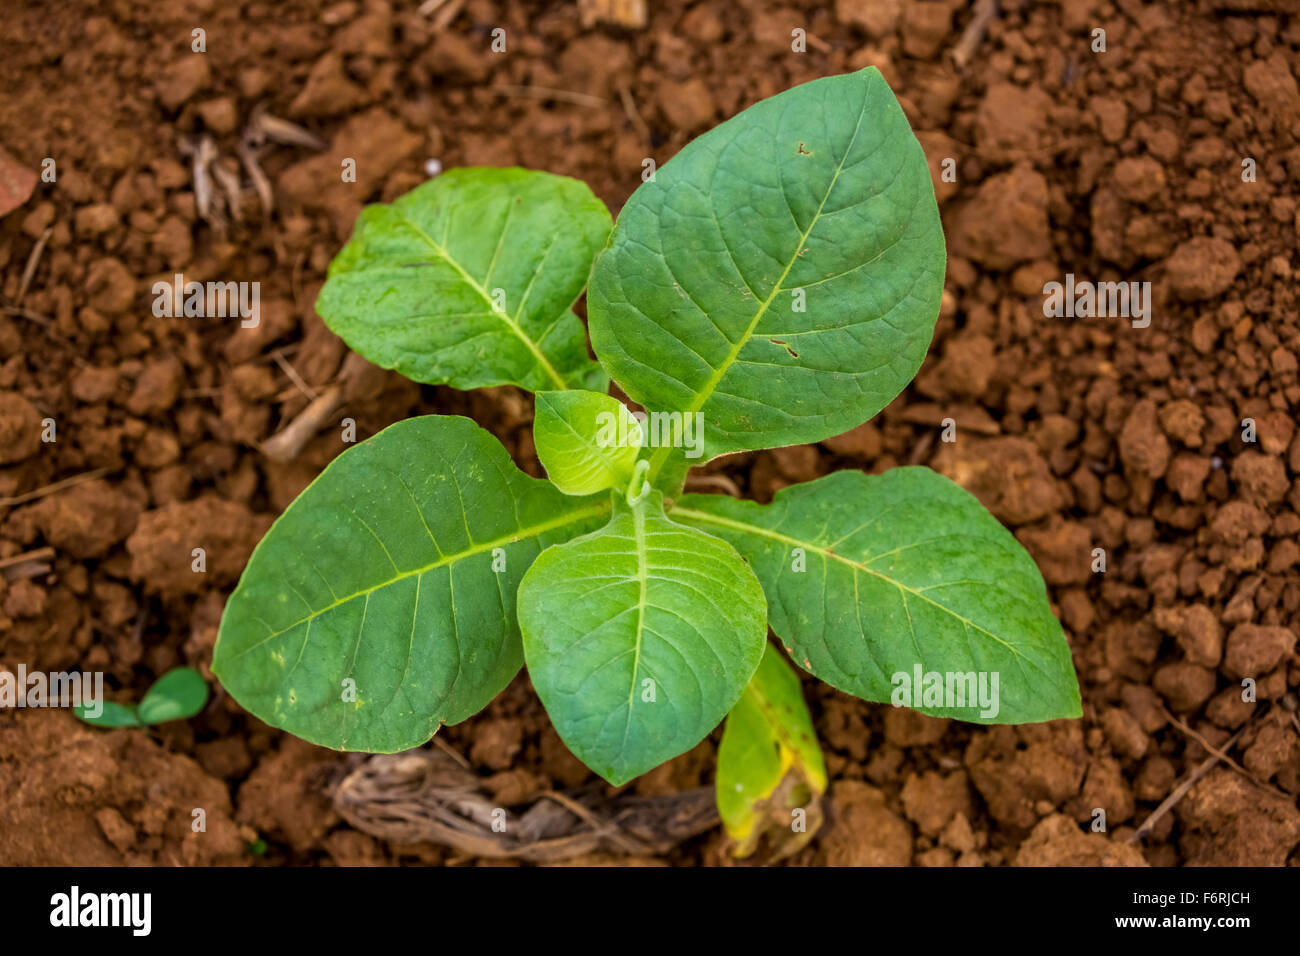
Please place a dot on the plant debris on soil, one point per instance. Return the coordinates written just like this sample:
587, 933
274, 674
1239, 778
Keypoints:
427, 796
1172, 158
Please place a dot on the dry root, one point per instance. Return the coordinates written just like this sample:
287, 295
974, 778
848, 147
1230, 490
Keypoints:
426, 796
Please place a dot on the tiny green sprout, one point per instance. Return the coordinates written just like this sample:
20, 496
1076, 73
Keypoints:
776, 283
586, 442
177, 695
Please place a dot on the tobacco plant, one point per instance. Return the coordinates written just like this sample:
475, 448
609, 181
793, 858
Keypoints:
775, 283
177, 695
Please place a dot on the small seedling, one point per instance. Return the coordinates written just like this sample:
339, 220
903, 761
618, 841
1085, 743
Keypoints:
177, 695
776, 283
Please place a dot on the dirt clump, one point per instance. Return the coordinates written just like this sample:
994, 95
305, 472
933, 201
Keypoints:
1254, 650
87, 520
165, 540
91, 798
20, 428
284, 796
1202, 268
1228, 822
1025, 771
864, 831
1005, 222
1058, 841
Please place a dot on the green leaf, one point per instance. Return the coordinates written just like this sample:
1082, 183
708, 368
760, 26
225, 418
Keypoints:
768, 762
381, 603
818, 197
177, 695
639, 637
469, 280
903, 571
112, 715
587, 442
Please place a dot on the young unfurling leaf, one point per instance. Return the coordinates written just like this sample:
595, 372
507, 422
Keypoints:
586, 442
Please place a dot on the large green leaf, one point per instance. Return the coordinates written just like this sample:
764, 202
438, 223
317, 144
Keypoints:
820, 197
639, 637
381, 603
901, 571
769, 763
586, 442
469, 280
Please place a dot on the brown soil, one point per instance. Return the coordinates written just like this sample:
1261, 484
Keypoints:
1078, 433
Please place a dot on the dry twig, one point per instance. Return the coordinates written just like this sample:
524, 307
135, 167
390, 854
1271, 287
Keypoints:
1181, 790
40, 554
292, 373
546, 93
261, 183
1210, 748
633, 114
921, 449
228, 180
263, 126
713, 481
973, 35
202, 154
446, 12
51, 489
285, 444
33, 260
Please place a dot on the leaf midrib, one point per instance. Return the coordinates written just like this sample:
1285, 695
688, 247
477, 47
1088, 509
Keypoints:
503, 315
638, 531
519, 535
705, 393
